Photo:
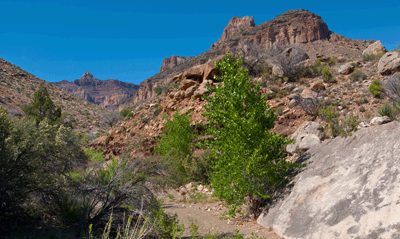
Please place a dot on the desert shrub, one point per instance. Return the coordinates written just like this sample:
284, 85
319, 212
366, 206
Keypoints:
338, 127
392, 88
288, 59
123, 113
157, 110
376, 88
387, 110
249, 159
362, 109
332, 61
128, 116
161, 89
357, 76
110, 116
371, 57
310, 105
317, 67
327, 74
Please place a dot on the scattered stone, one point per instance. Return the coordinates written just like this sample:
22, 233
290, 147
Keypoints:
346, 69
380, 120
310, 132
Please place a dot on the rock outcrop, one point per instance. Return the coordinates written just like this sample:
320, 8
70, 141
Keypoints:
308, 135
375, 48
104, 93
173, 61
389, 63
237, 24
350, 188
292, 27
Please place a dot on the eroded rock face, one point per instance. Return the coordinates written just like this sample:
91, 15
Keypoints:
104, 93
173, 61
294, 26
237, 24
350, 188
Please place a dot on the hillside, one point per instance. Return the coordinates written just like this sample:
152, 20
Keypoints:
292, 27
105, 93
18, 86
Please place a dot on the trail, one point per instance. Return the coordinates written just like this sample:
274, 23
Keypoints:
210, 219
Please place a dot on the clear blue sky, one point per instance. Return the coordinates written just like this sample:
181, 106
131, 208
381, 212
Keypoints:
127, 40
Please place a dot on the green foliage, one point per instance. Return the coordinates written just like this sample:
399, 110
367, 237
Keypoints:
94, 156
176, 139
332, 61
327, 74
161, 89
130, 115
43, 107
317, 67
376, 88
123, 113
387, 110
338, 127
357, 76
176, 148
34, 158
371, 57
250, 159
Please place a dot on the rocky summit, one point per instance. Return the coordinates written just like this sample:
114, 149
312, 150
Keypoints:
299, 27
104, 93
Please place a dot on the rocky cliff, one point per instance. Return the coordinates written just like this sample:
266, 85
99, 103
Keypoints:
104, 93
292, 27
172, 61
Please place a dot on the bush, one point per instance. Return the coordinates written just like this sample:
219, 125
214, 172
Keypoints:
371, 57
357, 76
376, 88
42, 107
327, 75
123, 113
338, 127
392, 88
249, 159
386, 110
161, 89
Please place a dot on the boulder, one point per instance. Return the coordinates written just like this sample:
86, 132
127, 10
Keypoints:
389, 63
375, 48
310, 133
277, 71
200, 92
195, 73
380, 120
187, 83
346, 69
317, 86
189, 91
349, 188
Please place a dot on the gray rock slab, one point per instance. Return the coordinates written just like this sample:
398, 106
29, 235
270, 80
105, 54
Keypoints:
350, 188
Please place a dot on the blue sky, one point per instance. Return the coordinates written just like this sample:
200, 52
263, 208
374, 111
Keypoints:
127, 40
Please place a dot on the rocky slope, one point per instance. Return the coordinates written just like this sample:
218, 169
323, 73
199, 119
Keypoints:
105, 93
18, 86
292, 27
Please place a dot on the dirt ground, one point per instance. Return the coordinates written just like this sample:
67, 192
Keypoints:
209, 217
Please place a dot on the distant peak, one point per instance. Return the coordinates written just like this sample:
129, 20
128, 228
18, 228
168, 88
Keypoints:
87, 76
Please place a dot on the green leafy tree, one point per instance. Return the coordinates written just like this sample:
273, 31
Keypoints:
176, 139
43, 107
249, 158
